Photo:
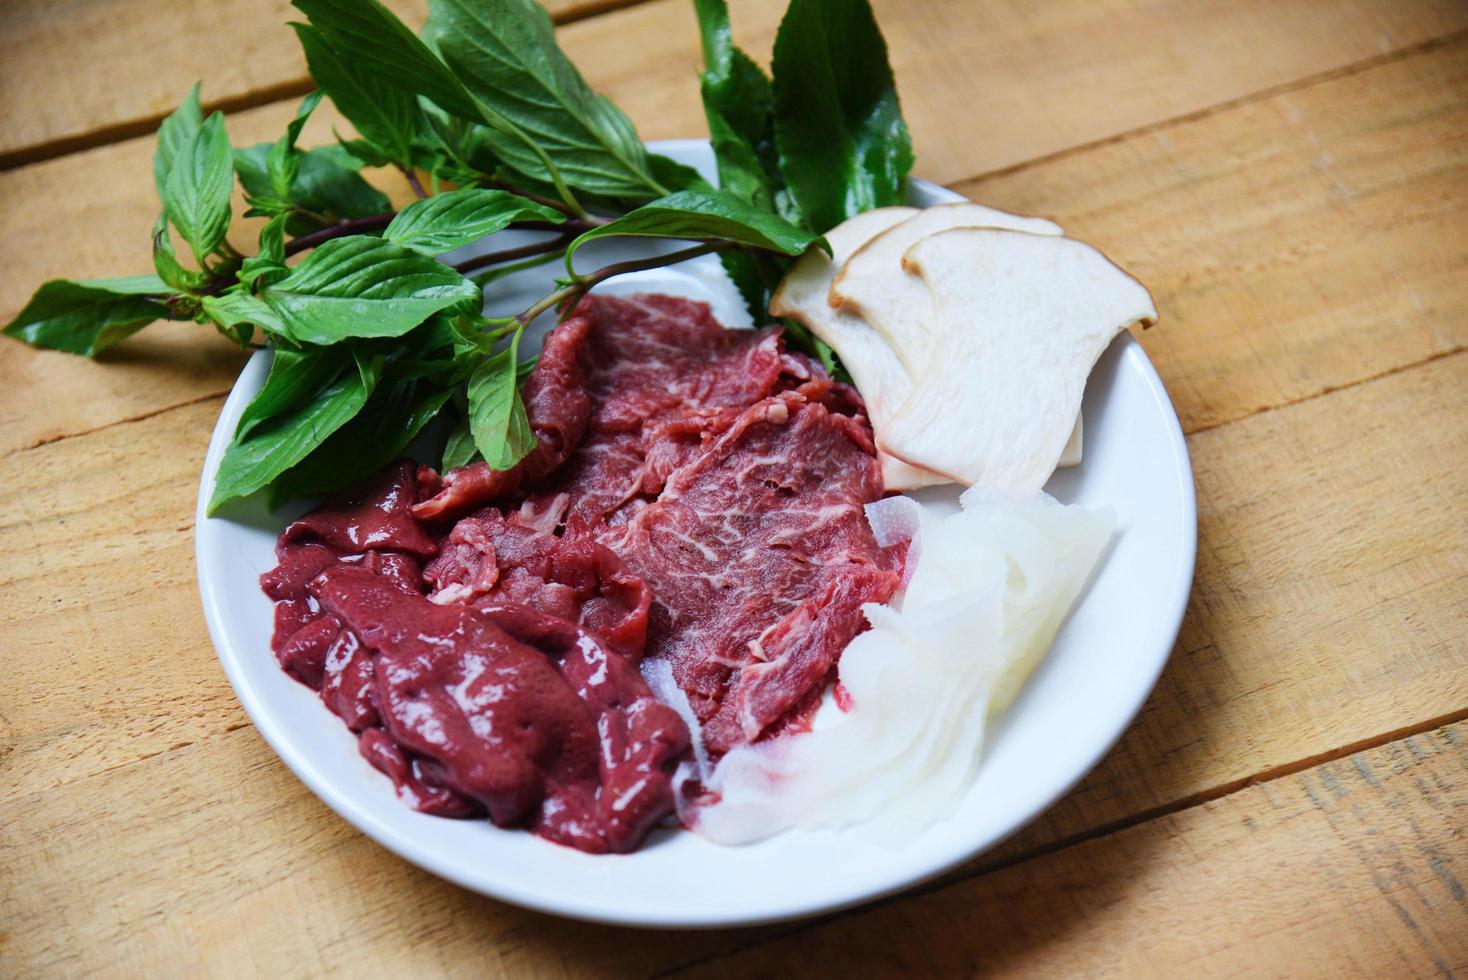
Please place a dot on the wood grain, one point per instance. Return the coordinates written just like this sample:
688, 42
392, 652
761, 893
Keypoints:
991, 85
1022, 84
1291, 801
1354, 868
95, 211
1269, 288
113, 693
1294, 245
78, 73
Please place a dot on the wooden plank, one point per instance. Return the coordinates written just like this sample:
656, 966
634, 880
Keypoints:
78, 73
115, 710
94, 211
990, 85
1352, 868
1248, 324
1294, 245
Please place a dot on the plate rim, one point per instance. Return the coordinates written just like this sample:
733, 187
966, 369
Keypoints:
364, 819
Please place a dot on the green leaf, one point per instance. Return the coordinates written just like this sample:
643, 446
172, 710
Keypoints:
676, 176
253, 463
446, 221
460, 449
166, 263
506, 54
842, 144
269, 265
326, 183
175, 135
467, 145
197, 192
360, 286
295, 377
90, 316
497, 418
708, 215
237, 308
382, 47
283, 161
755, 276
740, 110
378, 434
387, 115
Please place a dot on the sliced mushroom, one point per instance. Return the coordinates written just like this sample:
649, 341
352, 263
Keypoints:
879, 375
873, 285
1022, 319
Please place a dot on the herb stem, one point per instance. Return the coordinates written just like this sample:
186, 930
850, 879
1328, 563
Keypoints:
511, 254
372, 222
414, 182
483, 279
577, 215
583, 284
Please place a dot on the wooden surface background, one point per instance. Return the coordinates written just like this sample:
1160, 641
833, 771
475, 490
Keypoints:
1291, 179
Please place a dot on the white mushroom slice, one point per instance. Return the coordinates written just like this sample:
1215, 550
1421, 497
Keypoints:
879, 375
1023, 319
1071, 454
873, 285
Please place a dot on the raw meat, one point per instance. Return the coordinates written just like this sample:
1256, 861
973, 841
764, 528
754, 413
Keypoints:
695, 496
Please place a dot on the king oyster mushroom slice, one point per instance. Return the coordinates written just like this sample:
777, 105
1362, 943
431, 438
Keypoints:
872, 284
879, 375
1023, 319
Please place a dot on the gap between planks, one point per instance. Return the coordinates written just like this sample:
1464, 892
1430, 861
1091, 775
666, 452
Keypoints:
1322, 78
954, 879
1261, 95
1187, 432
1183, 803
263, 96
1405, 53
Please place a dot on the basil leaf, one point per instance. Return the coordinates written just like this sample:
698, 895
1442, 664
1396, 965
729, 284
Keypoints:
252, 463
497, 418
90, 316
467, 145
378, 434
269, 265
706, 214
382, 47
755, 276
505, 51
739, 109
842, 144
237, 308
445, 221
175, 135
283, 161
676, 176
197, 191
295, 377
387, 115
360, 286
327, 183
166, 263
460, 449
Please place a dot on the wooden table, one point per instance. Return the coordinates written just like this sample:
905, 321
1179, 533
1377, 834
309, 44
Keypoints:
1291, 179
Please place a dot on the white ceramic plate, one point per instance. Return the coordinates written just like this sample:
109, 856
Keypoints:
1102, 667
